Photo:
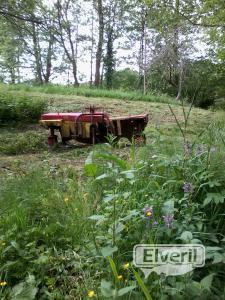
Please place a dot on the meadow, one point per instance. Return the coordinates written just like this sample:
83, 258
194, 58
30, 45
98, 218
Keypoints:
71, 216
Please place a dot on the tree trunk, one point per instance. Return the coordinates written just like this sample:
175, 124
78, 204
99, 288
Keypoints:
92, 48
180, 81
100, 43
37, 56
49, 60
109, 61
65, 29
13, 75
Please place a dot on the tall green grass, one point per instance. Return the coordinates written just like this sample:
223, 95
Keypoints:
19, 108
92, 92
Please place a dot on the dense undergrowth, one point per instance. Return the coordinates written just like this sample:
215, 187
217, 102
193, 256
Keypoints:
19, 108
14, 143
65, 235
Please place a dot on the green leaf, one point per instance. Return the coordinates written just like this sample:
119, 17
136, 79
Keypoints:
113, 267
142, 285
206, 282
119, 228
103, 176
91, 170
214, 197
23, 291
128, 174
106, 289
125, 290
186, 236
42, 259
108, 251
96, 217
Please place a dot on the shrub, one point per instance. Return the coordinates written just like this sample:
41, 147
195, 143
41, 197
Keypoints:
19, 108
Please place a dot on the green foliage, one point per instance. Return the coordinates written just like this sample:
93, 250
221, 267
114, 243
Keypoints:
92, 92
64, 235
42, 226
19, 109
22, 142
126, 80
203, 81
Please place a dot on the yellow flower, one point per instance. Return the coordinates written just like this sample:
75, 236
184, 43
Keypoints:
126, 266
66, 199
120, 277
3, 283
148, 214
91, 294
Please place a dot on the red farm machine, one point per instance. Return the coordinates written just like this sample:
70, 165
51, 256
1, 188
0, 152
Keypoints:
92, 126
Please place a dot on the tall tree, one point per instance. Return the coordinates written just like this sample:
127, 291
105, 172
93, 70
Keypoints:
67, 32
114, 21
11, 50
99, 52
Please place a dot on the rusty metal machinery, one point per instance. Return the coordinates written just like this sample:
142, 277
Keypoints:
93, 126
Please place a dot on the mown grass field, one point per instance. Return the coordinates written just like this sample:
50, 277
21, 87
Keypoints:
30, 140
71, 216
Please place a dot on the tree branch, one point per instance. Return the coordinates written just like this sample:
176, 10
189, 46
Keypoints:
6, 14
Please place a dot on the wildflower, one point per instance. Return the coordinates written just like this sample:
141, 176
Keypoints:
187, 187
66, 199
3, 283
155, 223
188, 148
168, 220
126, 266
148, 211
91, 294
120, 277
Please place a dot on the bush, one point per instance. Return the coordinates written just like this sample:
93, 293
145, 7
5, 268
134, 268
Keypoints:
19, 108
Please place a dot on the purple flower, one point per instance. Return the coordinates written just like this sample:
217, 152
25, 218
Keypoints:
187, 187
155, 223
148, 211
188, 148
168, 220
